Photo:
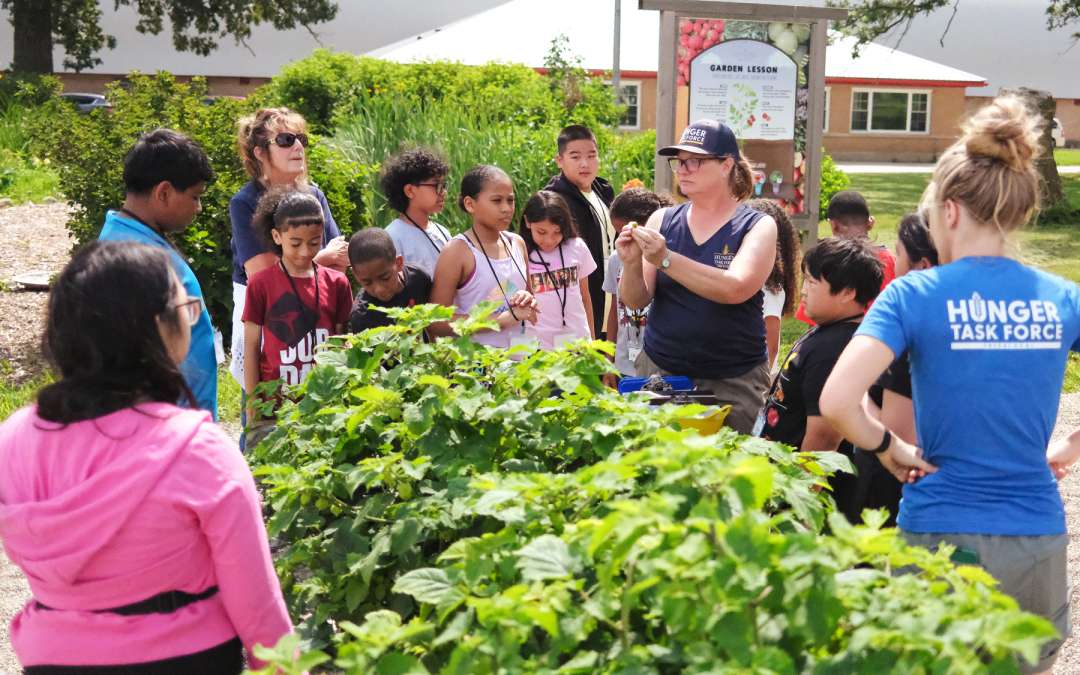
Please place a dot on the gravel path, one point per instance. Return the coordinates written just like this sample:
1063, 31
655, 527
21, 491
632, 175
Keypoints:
40, 242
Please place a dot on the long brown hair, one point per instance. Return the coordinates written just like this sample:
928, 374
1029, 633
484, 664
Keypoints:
786, 267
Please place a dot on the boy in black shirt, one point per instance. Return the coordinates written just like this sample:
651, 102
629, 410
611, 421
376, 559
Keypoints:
385, 280
841, 277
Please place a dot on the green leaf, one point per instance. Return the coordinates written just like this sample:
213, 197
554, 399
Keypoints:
546, 557
396, 663
429, 585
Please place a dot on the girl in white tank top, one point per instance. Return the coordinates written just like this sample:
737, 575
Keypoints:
486, 263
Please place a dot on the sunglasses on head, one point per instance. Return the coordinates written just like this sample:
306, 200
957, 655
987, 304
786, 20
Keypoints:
286, 139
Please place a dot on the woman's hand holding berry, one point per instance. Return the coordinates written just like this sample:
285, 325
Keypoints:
652, 244
627, 248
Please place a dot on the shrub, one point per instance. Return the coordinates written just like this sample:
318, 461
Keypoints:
327, 86
450, 510
833, 180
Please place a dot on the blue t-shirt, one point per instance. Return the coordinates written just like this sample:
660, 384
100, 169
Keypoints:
200, 366
690, 335
988, 340
246, 242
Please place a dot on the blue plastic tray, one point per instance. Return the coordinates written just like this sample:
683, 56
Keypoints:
677, 382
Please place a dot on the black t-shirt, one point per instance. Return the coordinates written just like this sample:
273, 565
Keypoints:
797, 388
417, 291
897, 378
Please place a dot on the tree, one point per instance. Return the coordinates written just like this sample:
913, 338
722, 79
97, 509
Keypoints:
196, 26
868, 20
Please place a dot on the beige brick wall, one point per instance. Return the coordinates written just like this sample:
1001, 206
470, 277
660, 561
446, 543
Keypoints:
947, 109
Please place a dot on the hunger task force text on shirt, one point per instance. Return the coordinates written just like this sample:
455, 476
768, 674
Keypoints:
979, 323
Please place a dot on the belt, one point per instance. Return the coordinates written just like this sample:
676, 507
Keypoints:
162, 603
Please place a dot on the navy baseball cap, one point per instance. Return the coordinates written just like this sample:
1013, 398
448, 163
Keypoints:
706, 137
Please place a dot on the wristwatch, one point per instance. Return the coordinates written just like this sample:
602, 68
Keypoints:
666, 262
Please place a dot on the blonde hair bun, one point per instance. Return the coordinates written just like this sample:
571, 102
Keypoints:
1004, 131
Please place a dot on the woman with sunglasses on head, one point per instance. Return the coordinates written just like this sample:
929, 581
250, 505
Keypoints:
136, 522
702, 265
272, 144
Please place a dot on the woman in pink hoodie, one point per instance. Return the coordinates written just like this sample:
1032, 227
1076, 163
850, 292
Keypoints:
136, 522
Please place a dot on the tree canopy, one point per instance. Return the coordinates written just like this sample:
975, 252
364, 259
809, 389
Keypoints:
196, 26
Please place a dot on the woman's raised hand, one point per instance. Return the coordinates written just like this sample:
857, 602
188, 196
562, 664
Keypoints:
652, 244
627, 248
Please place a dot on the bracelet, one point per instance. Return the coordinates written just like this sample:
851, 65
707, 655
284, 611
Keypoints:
886, 441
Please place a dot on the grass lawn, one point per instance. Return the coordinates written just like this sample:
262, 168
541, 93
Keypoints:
1067, 156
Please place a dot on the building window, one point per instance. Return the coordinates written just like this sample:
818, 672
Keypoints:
630, 96
890, 111
828, 104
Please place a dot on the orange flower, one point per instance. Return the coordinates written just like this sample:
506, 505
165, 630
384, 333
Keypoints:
633, 183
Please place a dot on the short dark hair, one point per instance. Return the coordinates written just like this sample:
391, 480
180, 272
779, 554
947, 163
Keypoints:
849, 207
574, 132
550, 206
914, 236
102, 336
474, 180
846, 263
164, 155
283, 207
637, 204
371, 243
409, 168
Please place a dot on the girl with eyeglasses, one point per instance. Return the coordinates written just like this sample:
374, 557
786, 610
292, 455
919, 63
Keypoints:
414, 184
136, 522
272, 144
702, 265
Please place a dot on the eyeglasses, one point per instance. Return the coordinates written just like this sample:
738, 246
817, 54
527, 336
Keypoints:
286, 139
691, 164
192, 309
440, 188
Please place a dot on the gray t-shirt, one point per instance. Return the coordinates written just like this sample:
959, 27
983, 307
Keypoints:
419, 248
631, 322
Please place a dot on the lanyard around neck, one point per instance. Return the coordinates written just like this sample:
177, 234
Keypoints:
491, 267
438, 249
292, 285
554, 282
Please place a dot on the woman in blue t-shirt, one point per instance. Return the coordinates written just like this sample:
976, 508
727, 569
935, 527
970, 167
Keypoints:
988, 339
273, 147
702, 265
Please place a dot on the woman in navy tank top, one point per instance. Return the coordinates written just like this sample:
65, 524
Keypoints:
702, 265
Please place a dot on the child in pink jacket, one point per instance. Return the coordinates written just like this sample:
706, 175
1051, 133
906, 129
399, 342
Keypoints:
136, 522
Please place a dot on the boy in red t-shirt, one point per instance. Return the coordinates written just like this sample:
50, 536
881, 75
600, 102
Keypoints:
292, 306
849, 217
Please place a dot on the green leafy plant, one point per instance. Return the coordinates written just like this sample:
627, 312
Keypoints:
833, 180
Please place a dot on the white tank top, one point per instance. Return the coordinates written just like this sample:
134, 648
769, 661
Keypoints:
509, 278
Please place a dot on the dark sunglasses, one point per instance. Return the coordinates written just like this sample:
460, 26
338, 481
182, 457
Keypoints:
286, 139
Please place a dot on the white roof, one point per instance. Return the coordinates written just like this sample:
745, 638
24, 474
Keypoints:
521, 31
358, 27
879, 62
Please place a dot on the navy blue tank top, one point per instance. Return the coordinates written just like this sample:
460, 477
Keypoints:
689, 335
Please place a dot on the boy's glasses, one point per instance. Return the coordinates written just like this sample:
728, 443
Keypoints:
691, 164
191, 309
286, 139
440, 188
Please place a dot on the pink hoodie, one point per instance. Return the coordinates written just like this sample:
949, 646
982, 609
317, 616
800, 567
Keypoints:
107, 512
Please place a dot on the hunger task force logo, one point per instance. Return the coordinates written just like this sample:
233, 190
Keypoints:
982, 324
723, 259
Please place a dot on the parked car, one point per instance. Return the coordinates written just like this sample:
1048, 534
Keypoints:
86, 102
1057, 133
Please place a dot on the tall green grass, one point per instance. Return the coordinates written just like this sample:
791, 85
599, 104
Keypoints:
22, 178
383, 125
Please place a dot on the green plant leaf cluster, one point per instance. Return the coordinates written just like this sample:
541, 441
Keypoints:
443, 508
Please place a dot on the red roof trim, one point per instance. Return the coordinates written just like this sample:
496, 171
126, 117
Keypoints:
904, 83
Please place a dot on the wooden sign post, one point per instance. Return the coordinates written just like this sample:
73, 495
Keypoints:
760, 69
